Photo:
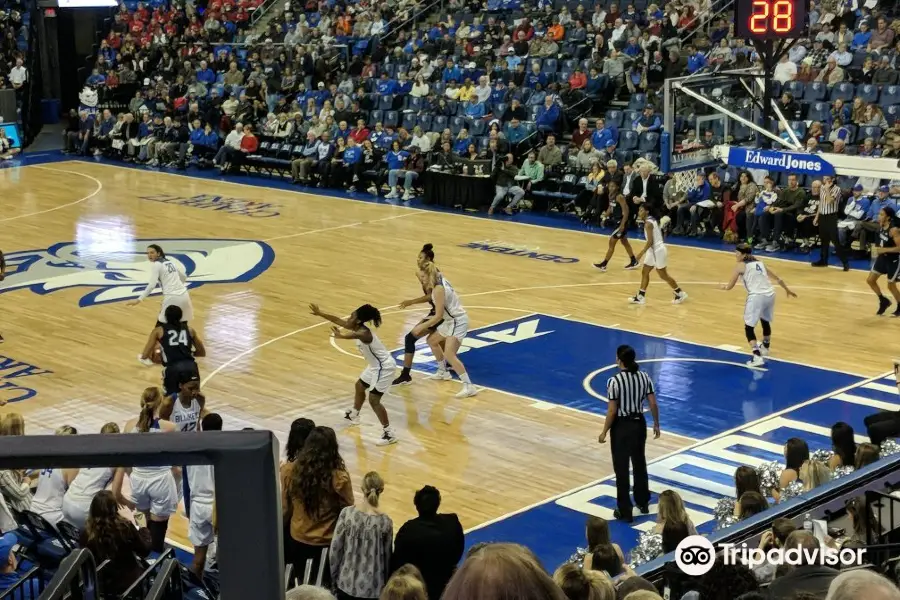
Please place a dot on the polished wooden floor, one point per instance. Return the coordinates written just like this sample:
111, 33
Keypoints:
270, 361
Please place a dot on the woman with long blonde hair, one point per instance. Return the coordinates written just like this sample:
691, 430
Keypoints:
452, 324
14, 485
814, 473
670, 509
361, 546
153, 489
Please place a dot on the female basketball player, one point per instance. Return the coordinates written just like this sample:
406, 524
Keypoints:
760, 306
426, 255
153, 488
378, 376
620, 234
179, 344
170, 277
89, 481
452, 324
887, 259
52, 485
656, 257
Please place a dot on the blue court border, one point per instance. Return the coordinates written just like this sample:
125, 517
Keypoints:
549, 220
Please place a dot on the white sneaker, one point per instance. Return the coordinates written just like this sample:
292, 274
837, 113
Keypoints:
763, 350
407, 196
352, 418
467, 391
392, 194
387, 438
756, 361
440, 374
679, 298
372, 190
638, 299
144, 361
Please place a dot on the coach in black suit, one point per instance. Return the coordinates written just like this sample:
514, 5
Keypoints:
644, 188
432, 542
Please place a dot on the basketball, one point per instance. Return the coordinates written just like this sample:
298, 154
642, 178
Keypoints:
156, 357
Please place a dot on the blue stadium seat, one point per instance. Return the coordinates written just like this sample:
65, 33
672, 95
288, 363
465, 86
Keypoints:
868, 132
375, 116
409, 121
795, 88
628, 140
570, 64
637, 102
868, 92
477, 127
483, 143
892, 113
532, 62
550, 66
623, 157
819, 111
843, 90
652, 157
628, 118
890, 95
391, 118
648, 142
439, 124
454, 106
456, 124
614, 117
414, 103
815, 91
386, 102
425, 122
499, 109
799, 128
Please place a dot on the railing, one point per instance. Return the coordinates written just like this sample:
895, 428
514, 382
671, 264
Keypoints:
393, 27
24, 589
704, 20
261, 10
76, 579
167, 584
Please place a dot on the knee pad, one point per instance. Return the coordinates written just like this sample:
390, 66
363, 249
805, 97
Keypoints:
409, 343
751, 334
766, 327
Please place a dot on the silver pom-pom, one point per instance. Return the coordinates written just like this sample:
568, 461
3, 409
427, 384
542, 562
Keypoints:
823, 456
889, 447
769, 475
839, 472
649, 547
793, 489
577, 559
726, 522
723, 510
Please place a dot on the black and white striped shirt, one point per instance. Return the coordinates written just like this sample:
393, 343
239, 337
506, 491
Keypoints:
829, 200
629, 390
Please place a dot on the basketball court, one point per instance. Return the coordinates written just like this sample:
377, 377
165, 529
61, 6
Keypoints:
520, 461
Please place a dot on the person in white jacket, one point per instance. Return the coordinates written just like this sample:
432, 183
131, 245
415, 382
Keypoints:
854, 211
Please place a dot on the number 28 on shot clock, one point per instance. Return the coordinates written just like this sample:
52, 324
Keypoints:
770, 19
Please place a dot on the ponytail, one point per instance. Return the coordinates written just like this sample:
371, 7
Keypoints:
372, 487
431, 270
150, 401
428, 251
628, 358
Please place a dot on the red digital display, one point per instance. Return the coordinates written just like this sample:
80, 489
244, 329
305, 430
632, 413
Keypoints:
770, 19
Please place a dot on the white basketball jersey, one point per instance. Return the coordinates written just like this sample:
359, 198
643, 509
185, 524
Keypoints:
170, 276
48, 498
756, 279
453, 308
88, 482
200, 482
376, 354
149, 472
658, 242
185, 418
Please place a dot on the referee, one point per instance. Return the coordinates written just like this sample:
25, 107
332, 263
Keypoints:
625, 419
826, 218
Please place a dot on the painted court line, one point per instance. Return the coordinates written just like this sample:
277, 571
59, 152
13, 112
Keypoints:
686, 449
98, 189
336, 227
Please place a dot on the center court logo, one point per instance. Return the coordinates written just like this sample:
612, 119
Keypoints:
120, 271
696, 555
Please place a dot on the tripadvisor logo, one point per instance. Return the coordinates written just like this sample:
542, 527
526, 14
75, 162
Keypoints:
696, 555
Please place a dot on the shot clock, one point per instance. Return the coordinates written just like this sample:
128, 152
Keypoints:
770, 19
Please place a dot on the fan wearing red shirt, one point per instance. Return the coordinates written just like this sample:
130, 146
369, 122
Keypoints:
136, 27
146, 39
577, 80
242, 15
114, 40
360, 133
142, 13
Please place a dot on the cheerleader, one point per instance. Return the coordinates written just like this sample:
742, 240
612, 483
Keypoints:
426, 255
655, 256
378, 376
452, 324
153, 488
760, 306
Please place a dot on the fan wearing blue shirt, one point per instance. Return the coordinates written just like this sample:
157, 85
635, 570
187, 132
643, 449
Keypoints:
861, 38
535, 77
96, 78
461, 143
690, 211
205, 74
547, 115
8, 575
385, 85
451, 73
475, 110
696, 60
603, 134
